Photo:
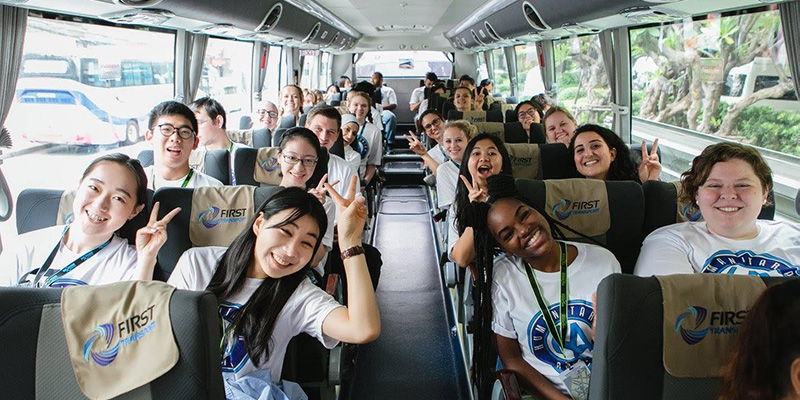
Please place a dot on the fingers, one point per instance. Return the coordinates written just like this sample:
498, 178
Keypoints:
654, 152
321, 185
337, 198
170, 215
466, 182
154, 213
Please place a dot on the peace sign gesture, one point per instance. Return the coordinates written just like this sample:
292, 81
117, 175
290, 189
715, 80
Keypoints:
319, 191
415, 144
150, 238
650, 168
475, 193
351, 214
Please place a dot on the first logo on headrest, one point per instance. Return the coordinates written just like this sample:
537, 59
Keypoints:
130, 330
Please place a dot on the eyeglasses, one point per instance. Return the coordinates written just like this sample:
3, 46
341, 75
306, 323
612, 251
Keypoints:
271, 114
168, 129
292, 160
530, 113
437, 122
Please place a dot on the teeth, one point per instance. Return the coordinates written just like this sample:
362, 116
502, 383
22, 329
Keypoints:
533, 238
96, 218
590, 162
280, 260
729, 209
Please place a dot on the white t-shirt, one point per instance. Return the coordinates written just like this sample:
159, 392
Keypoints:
376, 118
305, 311
452, 228
353, 158
417, 95
114, 263
342, 171
370, 147
517, 314
446, 181
687, 247
438, 154
198, 179
388, 97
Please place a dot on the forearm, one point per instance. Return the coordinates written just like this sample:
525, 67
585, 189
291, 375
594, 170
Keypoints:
390, 107
145, 265
463, 252
369, 173
430, 163
362, 308
414, 106
533, 382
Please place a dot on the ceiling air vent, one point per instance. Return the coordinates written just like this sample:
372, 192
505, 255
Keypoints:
216, 29
137, 3
475, 36
333, 40
313, 34
578, 29
271, 19
648, 15
139, 16
492, 33
532, 16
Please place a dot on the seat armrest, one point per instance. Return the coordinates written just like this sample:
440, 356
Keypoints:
509, 384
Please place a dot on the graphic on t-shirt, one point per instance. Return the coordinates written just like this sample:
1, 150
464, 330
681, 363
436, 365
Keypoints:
363, 146
746, 262
578, 346
235, 353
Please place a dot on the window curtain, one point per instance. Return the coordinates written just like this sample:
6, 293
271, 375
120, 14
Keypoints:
790, 18
260, 58
190, 54
607, 49
13, 21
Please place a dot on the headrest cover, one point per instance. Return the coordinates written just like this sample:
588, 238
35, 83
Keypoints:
493, 128
342, 108
119, 336
243, 136
475, 116
197, 159
581, 204
702, 316
524, 160
64, 214
685, 212
267, 169
219, 214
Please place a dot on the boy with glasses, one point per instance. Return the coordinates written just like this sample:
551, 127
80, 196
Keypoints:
172, 130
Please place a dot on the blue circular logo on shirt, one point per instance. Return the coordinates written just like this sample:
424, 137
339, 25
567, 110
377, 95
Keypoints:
577, 346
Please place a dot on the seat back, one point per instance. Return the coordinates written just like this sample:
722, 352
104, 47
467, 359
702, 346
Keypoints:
145, 157
511, 100
625, 207
515, 133
661, 207
303, 119
287, 121
217, 164
447, 108
245, 122
627, 360
39, 208
262, 137
31, 320
511, 116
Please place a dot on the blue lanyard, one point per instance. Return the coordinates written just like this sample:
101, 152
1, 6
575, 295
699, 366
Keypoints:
457, 164
445, 154
42, 271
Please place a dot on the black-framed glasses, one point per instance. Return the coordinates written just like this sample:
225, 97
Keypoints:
292, 160
437, 122
530, 113
168, 129
271, 114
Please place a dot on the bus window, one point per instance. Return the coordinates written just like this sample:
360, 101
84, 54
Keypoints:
581, 80
529, 75
483, 69
502, 84
272, 83
403, 64
226, 75
310, 77
325, 71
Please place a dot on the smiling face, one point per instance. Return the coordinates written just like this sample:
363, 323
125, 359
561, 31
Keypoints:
325, 128
559, 128
359, 106
172, 152
519, 229
462, 100
484, 161
592, 155
268, 115
349, 133
731, 198
290, 100
455, 141
432, 125
309, 99
105, 200
207, 129
282, 251
527, 115
296, 174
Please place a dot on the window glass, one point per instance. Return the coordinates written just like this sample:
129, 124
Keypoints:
581, 81
403, 64
272, 84
502, 84
226, 74
483, 69
325, 71
529, 75
310, 76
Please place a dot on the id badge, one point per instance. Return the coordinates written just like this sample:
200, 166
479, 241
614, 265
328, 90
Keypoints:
576, 379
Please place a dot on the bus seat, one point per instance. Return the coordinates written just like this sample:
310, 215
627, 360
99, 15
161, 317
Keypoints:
661, 207
178, 229
217, 165
245, 164
276, 138
515, 133
511, 100
446, 108
287, 121
32, 326
245, 122
497, 105
262, 138
39, 208
628, 349
306, 109
336, 97
335, 103
302, 120
511, 116
557, 162
494, 116
145, 157
625, 206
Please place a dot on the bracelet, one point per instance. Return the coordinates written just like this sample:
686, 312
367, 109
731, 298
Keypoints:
353, 251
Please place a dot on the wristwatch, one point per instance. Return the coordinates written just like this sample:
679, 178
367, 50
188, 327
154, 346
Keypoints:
353, 251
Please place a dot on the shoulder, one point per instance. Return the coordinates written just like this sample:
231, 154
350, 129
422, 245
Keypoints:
505, 266
779, 227
201, 179
599, 258
196, 267
678, 231
334, 161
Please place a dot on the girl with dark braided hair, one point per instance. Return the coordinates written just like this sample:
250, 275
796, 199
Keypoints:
550, 359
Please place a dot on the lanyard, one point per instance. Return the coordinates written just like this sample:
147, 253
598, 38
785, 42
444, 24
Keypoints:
559, 335
185, 180
56, 276
457, 164
445, 154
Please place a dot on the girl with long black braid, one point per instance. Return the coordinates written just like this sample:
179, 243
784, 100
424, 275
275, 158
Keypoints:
537, 273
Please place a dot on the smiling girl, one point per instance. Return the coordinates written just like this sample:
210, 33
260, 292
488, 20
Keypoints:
559, 125
369, 140
600, 154
455, 138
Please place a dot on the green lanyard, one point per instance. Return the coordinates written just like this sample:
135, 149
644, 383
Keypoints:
185, 180
559, 335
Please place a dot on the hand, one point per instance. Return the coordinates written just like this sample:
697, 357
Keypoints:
351, 214
476, 193
319, 191
152, 237
650, 168
414, 144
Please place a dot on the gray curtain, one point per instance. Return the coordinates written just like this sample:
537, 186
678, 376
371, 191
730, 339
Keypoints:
545, 50
13, 21
511, 61
790, 20
190, 52
260, 58
607, 49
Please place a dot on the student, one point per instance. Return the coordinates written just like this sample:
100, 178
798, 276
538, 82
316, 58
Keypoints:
264, 294
388, 104
485, 155
559, 125
369, 142
344, 83
455, 138
467, 82
729, 183
766, 361
332, 90
432, 124
111, 191
463, 99
211, 132
291, 101
544, 101
528, 114
325, 122
350, 129
600, 154
437, 88
173, 133
267, 113
309, 98
524, 296
418, 94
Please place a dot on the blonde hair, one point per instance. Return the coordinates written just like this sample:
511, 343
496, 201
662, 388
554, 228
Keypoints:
464, 126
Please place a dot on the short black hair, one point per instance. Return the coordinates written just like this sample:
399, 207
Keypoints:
467, 78
212, 108
171, 107
431, 76
380, 75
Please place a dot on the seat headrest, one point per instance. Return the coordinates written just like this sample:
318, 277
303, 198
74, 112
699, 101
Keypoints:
267, 169
581, 204
474, 116
493, 128
219, 214
525, 160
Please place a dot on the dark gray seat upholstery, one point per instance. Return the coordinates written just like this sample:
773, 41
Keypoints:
626, 207
491, 115
515, 133
145, 157
30, 325
216, 164
245, 122
556, 162
287, 121
627, 359
262, 138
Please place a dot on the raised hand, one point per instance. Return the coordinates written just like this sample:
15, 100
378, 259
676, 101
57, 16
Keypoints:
475, 193
319, 191
415, 144
152, 237
351, 214
650, 168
